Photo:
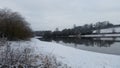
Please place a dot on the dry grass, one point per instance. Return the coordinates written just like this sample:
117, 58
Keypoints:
24, 58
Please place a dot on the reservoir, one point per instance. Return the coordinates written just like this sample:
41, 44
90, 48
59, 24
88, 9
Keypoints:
100, 45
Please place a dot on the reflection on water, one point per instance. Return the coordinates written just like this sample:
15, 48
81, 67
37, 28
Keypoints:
102, 45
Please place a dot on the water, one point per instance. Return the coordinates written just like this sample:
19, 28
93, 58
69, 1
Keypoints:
101, 45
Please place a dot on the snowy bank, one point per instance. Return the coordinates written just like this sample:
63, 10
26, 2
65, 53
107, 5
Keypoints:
77, 58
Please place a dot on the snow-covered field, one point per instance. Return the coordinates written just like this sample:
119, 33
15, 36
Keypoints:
108, 30
76, 58
102, 35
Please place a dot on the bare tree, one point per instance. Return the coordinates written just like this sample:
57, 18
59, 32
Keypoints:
13, 25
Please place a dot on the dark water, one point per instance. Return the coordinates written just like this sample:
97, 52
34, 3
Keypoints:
101, 45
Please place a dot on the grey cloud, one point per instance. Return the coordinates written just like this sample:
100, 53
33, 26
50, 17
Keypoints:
49, 14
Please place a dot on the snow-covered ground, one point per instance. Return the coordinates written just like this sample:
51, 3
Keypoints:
108, 30
102, 35
76, 58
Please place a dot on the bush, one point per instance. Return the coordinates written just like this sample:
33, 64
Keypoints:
18, 56
14, 26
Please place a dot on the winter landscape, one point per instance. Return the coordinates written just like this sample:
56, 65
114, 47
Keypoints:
59, 34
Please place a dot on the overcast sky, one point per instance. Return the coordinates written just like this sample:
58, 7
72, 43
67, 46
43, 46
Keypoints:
49, 14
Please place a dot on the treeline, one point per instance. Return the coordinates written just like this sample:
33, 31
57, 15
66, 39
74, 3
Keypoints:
76, 30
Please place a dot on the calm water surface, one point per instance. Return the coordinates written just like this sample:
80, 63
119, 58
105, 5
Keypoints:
101, 45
